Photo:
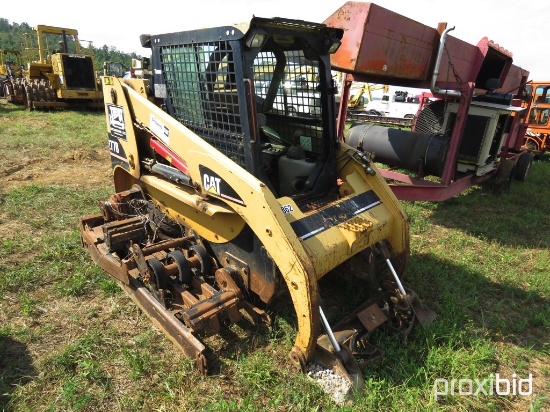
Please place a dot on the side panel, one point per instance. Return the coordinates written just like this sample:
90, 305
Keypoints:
382, 43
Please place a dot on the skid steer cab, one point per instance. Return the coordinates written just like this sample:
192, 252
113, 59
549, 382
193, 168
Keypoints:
232, 190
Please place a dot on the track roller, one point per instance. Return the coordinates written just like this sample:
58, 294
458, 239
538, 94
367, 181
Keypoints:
199, 252
158, 281
184, 270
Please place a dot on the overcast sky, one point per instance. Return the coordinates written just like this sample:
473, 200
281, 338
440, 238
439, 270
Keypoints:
519, 26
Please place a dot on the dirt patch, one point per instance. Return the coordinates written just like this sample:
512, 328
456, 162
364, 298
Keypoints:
81, 168
534, 383
23, 165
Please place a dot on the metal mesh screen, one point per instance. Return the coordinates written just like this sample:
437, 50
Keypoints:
431, 118
296, 96
202, 89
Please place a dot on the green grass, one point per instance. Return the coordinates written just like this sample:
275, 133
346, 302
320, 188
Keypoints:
70, 340
51, 132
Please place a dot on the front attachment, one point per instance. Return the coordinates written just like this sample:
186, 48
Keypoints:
346, 349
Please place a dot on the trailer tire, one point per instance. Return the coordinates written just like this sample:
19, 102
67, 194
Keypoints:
523, 166
504, 176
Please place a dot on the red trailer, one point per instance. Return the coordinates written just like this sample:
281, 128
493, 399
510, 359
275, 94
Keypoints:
473, 132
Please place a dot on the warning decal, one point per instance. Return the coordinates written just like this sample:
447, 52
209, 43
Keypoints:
116, 121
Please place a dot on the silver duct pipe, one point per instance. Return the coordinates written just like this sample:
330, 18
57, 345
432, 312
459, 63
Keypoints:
433, 87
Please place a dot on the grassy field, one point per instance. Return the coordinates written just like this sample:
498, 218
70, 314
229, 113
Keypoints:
70, 340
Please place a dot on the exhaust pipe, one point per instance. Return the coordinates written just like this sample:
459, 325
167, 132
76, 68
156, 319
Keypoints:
433, 87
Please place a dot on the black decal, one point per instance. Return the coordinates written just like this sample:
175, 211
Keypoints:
215, 185
334, 215
118, 156
116, 121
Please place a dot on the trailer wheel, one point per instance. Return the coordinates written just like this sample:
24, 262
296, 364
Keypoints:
523, 166
531, 146
504, 177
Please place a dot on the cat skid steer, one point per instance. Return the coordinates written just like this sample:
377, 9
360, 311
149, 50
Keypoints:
226, 201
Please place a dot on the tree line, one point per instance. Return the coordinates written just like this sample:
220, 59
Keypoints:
11, 38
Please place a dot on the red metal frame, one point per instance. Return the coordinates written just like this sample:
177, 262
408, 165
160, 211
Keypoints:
381, 46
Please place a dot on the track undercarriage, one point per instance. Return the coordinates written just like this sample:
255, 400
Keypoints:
173, 279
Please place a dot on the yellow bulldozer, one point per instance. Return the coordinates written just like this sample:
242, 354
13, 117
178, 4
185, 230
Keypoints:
59, 72
226, 201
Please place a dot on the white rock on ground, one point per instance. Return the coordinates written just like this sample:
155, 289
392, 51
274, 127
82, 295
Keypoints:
332, 384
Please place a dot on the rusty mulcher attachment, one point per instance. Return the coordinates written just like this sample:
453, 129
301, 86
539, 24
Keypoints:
392, 309
174, 280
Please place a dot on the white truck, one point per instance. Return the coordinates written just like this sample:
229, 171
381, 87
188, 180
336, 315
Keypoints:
399, 104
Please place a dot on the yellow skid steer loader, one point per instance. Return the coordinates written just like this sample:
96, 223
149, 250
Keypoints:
233, 190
